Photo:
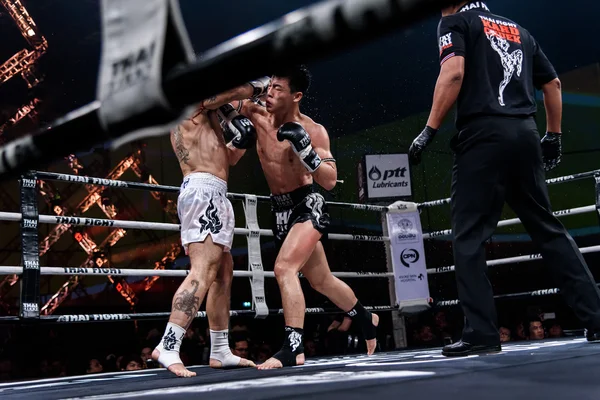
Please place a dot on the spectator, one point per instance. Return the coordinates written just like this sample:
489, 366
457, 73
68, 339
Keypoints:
94, 367
536, 330
146, 356
426, 336
239, 347
131, 362
6, 370
310, 349
520, 332
504, 334
263, 353
555, 331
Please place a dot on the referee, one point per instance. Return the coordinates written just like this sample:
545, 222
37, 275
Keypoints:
490, 66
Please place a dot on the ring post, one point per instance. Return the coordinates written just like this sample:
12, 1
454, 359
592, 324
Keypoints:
257, 282
30, 280
597, 179
407, 253
398, 321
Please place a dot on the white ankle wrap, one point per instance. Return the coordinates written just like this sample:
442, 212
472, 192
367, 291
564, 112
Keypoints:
219, 349
169, 345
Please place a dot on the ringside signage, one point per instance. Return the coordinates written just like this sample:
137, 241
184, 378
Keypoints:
408, 257
387, 176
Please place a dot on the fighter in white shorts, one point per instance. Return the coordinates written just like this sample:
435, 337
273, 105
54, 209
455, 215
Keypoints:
206, 145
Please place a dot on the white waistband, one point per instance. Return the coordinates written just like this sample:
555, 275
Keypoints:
204, 180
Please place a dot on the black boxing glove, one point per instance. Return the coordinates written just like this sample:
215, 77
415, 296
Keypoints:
420, 143
238, 131
260, 86
551, 150
294, 133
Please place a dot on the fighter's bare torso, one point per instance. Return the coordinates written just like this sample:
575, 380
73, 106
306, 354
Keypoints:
282, 167
199, 146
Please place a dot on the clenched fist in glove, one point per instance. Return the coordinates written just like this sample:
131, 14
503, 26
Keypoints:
238, 131
419, 144
294, 133
551, 150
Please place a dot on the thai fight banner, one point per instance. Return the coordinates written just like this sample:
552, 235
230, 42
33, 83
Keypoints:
407, 254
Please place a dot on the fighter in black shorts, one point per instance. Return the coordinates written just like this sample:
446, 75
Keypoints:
298, 206
294, 153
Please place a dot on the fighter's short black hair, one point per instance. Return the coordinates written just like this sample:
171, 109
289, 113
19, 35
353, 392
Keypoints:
298, 75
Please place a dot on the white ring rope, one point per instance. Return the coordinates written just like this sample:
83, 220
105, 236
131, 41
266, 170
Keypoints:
510, 260
115, 223
83, 221
167, 273
552, 181
516, 221
87, 180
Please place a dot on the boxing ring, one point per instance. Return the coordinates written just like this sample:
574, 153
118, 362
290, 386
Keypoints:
385, 373
551, 368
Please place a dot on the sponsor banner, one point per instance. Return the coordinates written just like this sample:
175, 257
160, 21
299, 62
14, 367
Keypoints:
387, 176
408, 257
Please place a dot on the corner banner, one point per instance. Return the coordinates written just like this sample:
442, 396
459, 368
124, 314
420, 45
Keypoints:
408, 257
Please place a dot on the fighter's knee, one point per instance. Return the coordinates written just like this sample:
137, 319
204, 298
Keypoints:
203, 267
225, 278
282, 269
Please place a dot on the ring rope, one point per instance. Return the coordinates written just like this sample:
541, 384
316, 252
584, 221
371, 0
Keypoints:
312, 33
6, 270
114, 223
176, 227
516, 221
509, 260
86, 180
117, 223
238, 196
552, 181
106, 317
533, 293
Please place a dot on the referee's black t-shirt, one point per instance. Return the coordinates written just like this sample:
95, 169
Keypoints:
503, 63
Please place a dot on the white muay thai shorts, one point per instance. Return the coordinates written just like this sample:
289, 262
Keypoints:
204, 209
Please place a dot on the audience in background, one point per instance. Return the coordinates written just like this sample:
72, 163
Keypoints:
324, 336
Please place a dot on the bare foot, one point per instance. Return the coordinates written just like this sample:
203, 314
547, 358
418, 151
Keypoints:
273, 363
178, 369
372, 344
243, 363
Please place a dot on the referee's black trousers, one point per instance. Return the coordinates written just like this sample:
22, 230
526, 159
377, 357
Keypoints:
499, 159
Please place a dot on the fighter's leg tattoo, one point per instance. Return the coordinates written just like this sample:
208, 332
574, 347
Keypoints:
187, 302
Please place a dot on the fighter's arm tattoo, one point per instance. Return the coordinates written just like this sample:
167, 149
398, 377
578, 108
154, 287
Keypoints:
183, 154
207, 102
187, 302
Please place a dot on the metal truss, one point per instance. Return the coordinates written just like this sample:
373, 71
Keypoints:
24, 61
91, 262
94, 196
96, 256
28, 110
170, 208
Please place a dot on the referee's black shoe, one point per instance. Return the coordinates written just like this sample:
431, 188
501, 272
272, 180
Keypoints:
463, 349
592, 335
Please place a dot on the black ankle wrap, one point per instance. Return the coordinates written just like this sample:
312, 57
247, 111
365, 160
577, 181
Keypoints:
293, 344
365, 319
